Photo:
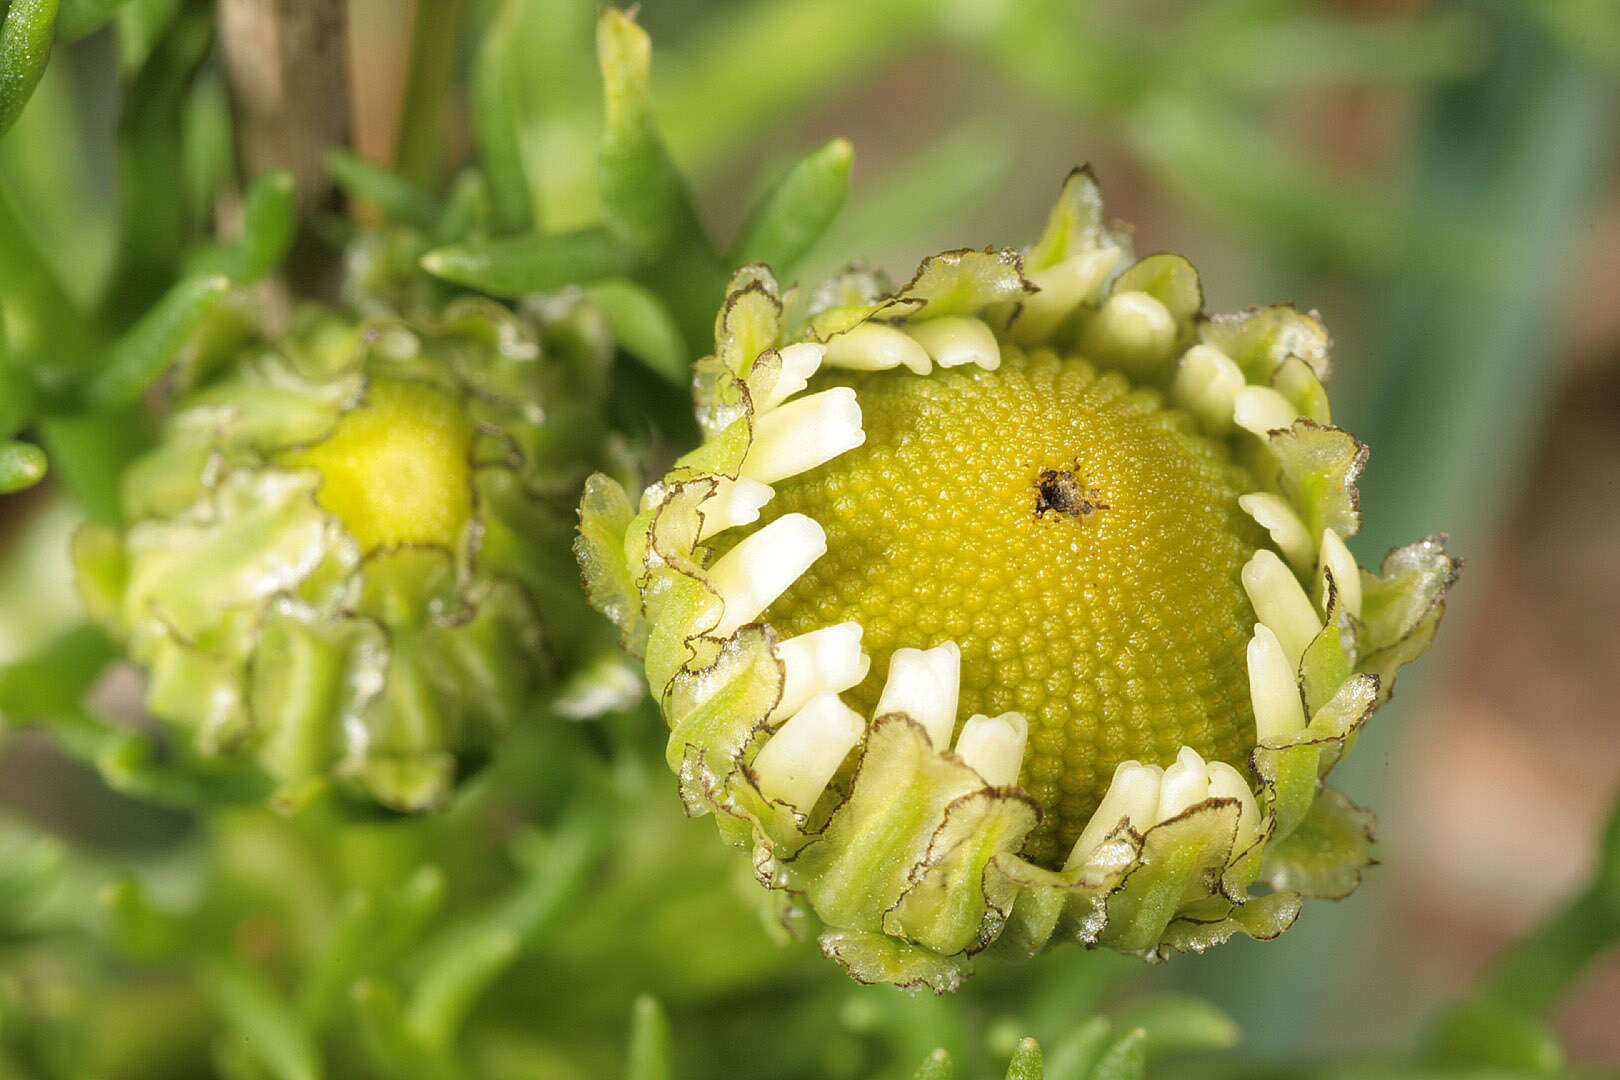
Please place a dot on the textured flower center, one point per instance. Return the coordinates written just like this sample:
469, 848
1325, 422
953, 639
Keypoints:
1078, 540
396, 469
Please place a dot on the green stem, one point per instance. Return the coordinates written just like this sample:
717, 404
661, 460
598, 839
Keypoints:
433, 55
1537, 971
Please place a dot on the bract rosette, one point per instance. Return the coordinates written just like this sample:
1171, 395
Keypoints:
1013, 606
338, 560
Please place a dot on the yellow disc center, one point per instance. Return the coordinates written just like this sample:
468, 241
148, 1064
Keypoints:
396, 469
1079, 541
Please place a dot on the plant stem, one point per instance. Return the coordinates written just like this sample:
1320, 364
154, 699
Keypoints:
287, 61
419, 155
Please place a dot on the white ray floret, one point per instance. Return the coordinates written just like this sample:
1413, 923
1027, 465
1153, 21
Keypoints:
1346, 574
734, 502
1273, 691
1186, 784
955, 340
1132, 796
798, 362
1260, 410
1206, 384
1273, 513
874, 347
1063, 287
1132, 330
795, 765
823, 661
760, 568
993, 746
803, 434
1225, 782
1280, 602
924, 684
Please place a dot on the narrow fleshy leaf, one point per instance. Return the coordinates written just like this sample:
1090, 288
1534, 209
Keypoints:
1126, 1059
649, 1041
645, 198
1027, 1062
252, 1009
26, 34
137, 359
644, 327
497, 114
796, 214
398, 198
531, 264
21, 465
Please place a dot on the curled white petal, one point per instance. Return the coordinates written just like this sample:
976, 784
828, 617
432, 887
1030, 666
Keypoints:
1063, 287
924, 684
1132, 330
993, 746
1132, 795
872, 346
823, 661
1274, 514
1280, 602
1225, 782
803, 434
1206, 384
734, 502
1278, 709
955, 340
760, 568
1346, 574
1186, 783
798, 760
1260, 409
798, 362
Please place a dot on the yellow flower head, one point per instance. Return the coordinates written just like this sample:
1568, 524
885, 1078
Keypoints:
1014, 606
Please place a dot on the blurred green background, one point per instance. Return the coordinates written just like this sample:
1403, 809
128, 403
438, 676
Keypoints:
1438, 179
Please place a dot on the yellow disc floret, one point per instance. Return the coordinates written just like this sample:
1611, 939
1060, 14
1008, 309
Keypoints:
1079, 540
396, 469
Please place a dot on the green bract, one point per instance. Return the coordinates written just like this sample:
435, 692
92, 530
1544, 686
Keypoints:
1077, 553
339, 558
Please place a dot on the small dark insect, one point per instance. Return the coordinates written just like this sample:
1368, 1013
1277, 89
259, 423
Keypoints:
1060, 491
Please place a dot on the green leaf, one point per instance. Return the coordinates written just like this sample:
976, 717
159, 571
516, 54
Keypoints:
76, 18
387, 1045
88, 453
472, 952
468, 211
1126, 1059
527, 264
936, 1066
25, 46
1027, 1062
1181, 1023
644, 197
57, 676
142, 354
21, 465
153, 224
208, 158
649, 1041
1484, 1032
395, 196
254, 1012
797, 213
643, 326
497, 116
1074, 1056
435, 34
269, 220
